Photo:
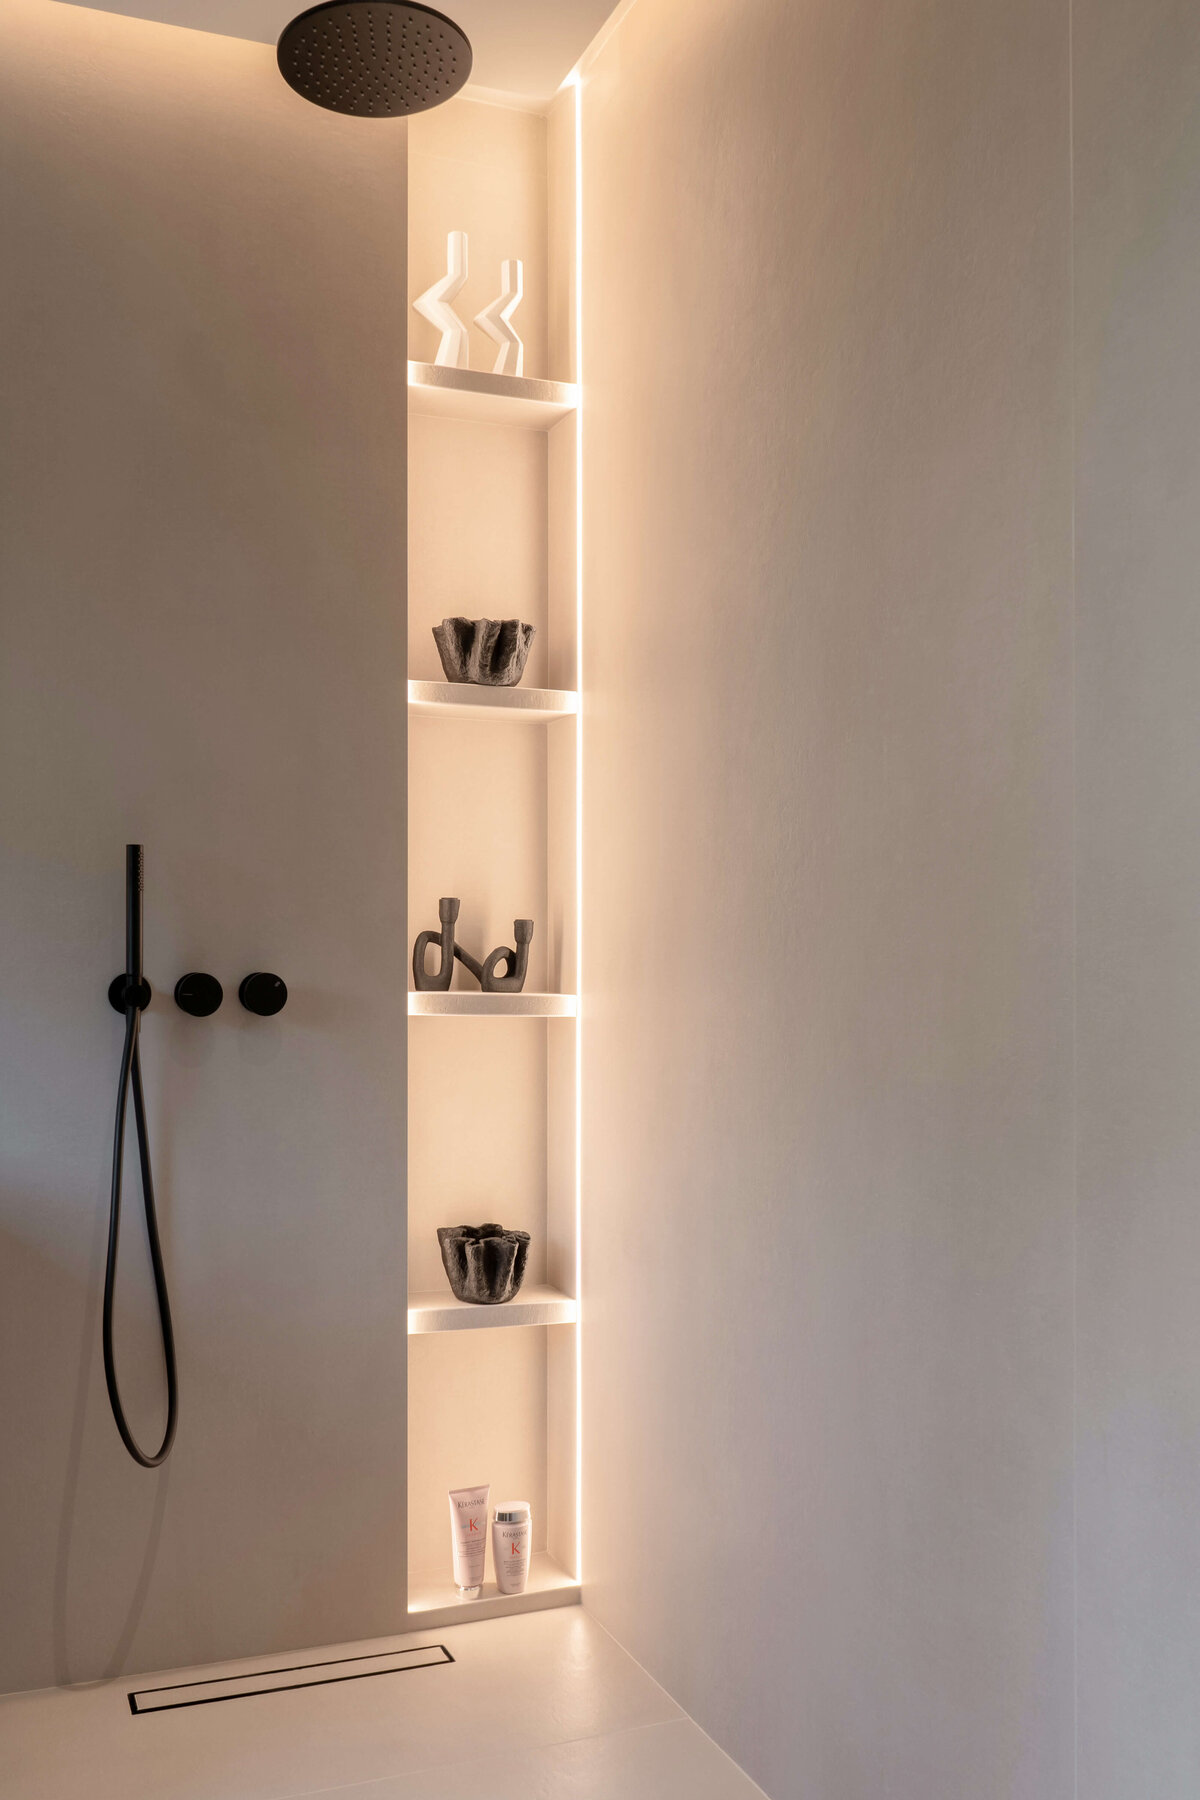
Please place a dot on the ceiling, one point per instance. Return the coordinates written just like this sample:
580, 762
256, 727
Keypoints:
521, 47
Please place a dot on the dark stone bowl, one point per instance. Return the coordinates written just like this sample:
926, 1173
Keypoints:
484, 1263
487, 652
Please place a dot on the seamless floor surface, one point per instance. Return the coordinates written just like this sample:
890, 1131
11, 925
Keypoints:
540, 1707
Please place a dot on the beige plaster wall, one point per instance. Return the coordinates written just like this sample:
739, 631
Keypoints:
1137, 235
828, 907
202, 564
828, 704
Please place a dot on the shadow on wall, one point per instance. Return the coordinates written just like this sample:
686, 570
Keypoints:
36, 1291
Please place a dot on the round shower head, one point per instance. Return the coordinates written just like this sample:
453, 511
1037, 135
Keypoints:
376, 58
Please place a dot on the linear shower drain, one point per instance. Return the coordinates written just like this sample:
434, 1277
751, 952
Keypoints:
279, 1681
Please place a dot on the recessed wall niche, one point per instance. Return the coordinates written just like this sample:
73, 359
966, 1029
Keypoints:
493, 820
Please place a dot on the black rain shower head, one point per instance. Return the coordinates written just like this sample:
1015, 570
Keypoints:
378, 59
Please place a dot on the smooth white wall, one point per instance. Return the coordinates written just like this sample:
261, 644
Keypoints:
202, 560
1137, 233
828, 926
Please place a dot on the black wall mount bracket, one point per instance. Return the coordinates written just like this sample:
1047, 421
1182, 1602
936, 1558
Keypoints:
118, 988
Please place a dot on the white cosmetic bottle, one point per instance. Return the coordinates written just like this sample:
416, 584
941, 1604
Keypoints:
468, 1539
512, 1537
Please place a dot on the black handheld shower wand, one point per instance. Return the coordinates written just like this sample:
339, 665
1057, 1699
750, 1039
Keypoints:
129, 994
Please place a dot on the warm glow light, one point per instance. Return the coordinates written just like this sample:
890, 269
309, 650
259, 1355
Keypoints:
578, 374
461, 1003
574, 81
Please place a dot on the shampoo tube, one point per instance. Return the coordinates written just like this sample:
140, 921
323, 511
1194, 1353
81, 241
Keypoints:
468, 1537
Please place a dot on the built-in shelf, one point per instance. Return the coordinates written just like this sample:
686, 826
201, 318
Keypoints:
532, 1306
489, 399
464, 700
492, 1006
432, 1600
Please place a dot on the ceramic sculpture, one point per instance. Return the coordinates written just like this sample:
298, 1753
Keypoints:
454, 350
516, 962
438, 983
513, 962
485, 652
484, 1263
496, 319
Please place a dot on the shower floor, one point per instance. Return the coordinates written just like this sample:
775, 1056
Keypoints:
545, 1706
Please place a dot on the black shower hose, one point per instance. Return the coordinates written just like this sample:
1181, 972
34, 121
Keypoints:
131, 1077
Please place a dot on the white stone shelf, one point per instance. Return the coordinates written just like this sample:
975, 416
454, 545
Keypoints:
432, 1600
463, 700
532, 1306
489, 399
468, 1005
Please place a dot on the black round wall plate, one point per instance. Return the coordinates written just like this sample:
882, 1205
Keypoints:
116, 993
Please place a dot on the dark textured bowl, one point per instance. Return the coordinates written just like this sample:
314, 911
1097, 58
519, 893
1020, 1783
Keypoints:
484, 1263
487, 652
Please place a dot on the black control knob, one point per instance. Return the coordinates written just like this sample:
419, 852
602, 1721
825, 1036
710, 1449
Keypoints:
199, 994
263, 994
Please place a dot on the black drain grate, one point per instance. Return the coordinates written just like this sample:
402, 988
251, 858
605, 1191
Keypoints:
282, 1681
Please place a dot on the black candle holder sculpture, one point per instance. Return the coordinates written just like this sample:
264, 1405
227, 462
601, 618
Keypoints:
484, 1263
485, 652
515, 962
439, 983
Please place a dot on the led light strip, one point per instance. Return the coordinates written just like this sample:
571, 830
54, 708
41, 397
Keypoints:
576, 82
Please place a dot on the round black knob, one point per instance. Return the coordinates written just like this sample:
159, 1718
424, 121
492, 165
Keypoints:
263, 994
199, 994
